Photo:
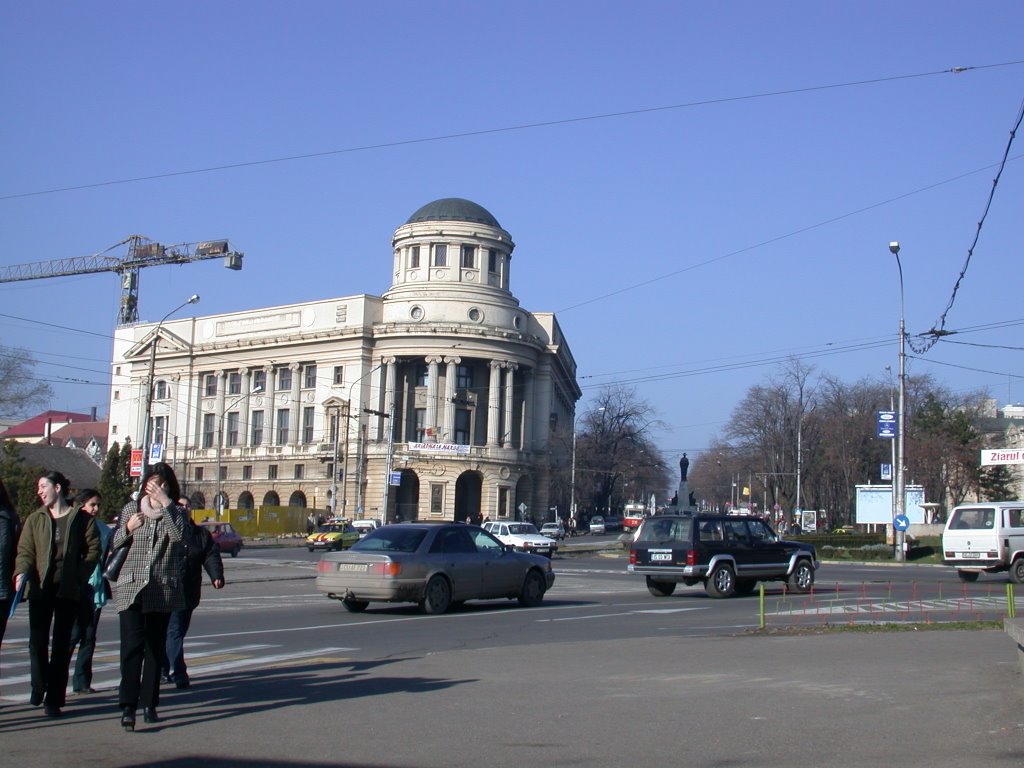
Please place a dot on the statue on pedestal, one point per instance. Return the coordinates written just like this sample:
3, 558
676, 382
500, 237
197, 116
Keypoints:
684, 465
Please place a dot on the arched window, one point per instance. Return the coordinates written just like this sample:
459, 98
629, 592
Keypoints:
163, 391
298, 500
245, 500
271, 499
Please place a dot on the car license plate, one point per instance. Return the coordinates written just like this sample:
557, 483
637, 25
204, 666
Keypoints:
661, 557
970, 555
358, 567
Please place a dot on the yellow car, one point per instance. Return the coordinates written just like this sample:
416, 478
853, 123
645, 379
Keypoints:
332, 536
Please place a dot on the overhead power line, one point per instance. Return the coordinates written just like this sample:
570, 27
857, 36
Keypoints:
507, 129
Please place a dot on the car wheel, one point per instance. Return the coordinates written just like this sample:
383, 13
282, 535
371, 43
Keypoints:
802, 578
745, 586
660, 588
721, 582
1017, 571
967, 576
235, 551
309, 548
355, 606
437, 596
532, 593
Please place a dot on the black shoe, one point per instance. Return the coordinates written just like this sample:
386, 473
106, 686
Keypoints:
183, 683
149, 715
52, 710
128, 718
83, 691
35, 698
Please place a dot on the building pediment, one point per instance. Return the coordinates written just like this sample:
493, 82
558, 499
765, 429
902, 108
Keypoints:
166, 343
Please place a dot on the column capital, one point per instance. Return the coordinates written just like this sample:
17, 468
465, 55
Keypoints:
453, 360
433, 359
389, 360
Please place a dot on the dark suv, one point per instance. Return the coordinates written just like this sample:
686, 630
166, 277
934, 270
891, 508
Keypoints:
728, 554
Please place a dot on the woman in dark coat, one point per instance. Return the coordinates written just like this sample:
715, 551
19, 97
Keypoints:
58, 549
149, 588
10, 527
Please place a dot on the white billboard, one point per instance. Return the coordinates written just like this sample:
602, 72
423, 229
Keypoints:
874, 504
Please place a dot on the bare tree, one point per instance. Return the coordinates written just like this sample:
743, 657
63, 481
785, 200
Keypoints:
20, 392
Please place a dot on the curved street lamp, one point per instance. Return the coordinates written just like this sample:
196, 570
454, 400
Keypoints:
900, 491
193, 299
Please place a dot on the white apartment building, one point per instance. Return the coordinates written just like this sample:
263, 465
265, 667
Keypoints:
441, 399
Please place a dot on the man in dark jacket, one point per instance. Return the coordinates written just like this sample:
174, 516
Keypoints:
10, 527
200, 552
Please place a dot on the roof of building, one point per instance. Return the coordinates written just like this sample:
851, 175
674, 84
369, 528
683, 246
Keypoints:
454, 209
81, 432
75, 463
36, 426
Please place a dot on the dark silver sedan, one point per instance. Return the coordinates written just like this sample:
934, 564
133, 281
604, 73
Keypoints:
434, 565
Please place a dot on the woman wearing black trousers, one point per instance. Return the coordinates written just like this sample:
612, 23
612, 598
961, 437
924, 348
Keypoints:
149, 588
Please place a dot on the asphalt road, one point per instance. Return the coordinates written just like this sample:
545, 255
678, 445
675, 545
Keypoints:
603, 674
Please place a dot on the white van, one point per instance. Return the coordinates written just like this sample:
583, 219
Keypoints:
985, 537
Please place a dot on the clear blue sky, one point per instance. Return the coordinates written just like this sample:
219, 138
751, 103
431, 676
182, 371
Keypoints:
703, 184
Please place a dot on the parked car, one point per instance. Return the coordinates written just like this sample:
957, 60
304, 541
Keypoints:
224, 536
434, 565
554, 531
524, 537
728, 554
332, 536
597, 525
985, 537
614, 524
365, 526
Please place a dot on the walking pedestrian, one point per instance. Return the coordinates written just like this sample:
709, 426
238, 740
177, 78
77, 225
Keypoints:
94, 596
57, 552
10, 528
149, 588
200, 552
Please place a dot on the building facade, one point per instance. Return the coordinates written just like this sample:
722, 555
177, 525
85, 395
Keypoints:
441, 399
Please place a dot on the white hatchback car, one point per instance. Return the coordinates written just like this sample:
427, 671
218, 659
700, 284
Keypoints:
365, 526
521, 536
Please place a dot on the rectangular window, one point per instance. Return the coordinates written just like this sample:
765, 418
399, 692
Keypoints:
468, 257
284, 379
307, 425
257, 428
210, 384
209, 429
492, 260
272, 472
247, 471
232, 429
421, 424
309, 376
198, 474
159, 427
259, 381
462, 427
436, 499
339, 375
163, 392
440, 255
282, 426
300, 471
464, 377
503, 502
223, 473
330, 469
414, 257
422, 375
235, 383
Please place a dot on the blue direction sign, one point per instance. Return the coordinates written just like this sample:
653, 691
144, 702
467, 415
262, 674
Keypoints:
901, 522
887, 424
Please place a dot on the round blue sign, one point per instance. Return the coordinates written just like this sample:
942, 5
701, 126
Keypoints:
901, 522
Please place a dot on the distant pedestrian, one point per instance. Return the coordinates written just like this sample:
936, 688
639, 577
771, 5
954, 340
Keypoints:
95, 594
10, 528
310, 523
200, 552
57, 552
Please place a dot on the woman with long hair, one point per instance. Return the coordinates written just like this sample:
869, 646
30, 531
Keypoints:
94, 596
57, 552
10, 528
149, 588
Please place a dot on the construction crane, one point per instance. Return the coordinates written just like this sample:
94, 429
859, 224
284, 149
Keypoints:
142, 252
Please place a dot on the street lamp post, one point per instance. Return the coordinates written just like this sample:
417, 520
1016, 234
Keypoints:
359, 468
218, 500
193, 299
894, 248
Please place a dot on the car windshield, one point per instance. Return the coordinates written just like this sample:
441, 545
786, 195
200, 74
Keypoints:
391, 539
665, 529
522, 528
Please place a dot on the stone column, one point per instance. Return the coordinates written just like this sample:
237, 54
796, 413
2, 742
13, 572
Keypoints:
269, 416
529, 412
450, 375
493, 409
243, 415
219, 419
432, 371
294, 424
390, 375
508, 437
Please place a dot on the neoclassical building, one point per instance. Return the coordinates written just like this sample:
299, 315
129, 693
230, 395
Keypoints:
441, 399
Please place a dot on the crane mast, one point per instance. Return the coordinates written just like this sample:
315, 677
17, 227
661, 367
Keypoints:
142, 252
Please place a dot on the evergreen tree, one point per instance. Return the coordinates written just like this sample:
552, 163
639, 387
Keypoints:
996, 483
115, 481
20, 480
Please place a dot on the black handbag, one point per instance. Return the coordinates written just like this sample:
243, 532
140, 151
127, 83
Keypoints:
112, 568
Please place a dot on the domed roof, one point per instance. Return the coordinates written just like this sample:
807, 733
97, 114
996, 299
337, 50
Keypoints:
454, 209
